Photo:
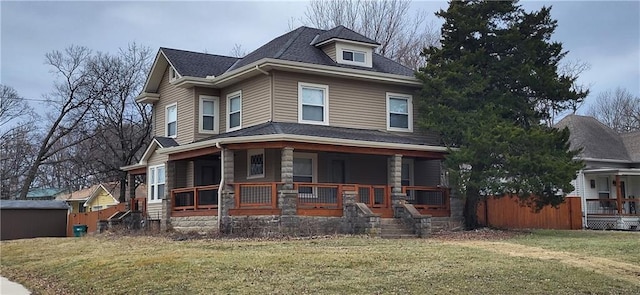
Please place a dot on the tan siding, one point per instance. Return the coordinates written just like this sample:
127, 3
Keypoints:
170, 94
157, 159
154, 210
330, 50
352, 103
256, 101
204, 91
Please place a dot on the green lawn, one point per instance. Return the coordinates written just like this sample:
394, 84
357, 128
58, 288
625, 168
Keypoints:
341, 265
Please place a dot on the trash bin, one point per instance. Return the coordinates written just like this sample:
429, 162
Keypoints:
79, 230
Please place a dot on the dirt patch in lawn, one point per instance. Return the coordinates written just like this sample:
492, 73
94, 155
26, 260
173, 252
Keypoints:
611, 268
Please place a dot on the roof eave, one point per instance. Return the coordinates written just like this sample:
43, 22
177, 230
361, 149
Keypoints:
148, 98
332, 40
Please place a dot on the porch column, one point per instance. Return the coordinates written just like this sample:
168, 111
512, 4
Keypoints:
619, 194
287, 197
131, 184
170, 183
228, 201
395, 181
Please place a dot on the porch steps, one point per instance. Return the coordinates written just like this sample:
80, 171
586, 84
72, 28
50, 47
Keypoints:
392, 228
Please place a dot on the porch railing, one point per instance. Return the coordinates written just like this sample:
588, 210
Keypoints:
138, 204
375, 196
427, 198
195, 198
319, 195
257, 195
610, 207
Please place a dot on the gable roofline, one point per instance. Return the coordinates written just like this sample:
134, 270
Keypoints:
343, 33
95, 193
332, 40
267, 64
162, 142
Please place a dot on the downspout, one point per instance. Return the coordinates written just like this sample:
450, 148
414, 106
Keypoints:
582, 192
221, 185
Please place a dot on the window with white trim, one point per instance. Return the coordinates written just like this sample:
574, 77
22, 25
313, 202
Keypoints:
255, 163
313, 103
156, 184
208, 114
234, 111
399, 112
173, 75
353, 56
305, 170
171, 117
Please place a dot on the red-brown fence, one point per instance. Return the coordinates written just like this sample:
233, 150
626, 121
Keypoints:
507, 212
90, 219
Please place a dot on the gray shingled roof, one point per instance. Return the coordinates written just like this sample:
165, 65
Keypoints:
632, 143
596, 139
341, 32
195, 64
165, 142
328, 132
296, 46
29, 204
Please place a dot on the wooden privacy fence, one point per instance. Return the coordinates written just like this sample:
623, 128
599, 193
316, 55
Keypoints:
507, 212
90, 219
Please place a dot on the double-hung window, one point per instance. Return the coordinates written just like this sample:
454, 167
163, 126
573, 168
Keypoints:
305, 171
156, 184
313, 103
255, 163
171, 117
399, 112
209, 114
234, 111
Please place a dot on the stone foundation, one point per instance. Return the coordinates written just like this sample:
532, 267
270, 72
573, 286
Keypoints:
200, 224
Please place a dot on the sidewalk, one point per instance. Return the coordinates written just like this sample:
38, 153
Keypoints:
12, 288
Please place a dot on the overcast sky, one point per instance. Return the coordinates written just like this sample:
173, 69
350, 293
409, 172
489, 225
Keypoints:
605, 34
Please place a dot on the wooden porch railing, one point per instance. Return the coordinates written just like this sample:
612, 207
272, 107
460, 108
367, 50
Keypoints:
624, 207
138, 204
375, 196
428, 200
320, 195
195, 198
256, 195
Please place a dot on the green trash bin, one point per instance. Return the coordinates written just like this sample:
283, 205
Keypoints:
79, 230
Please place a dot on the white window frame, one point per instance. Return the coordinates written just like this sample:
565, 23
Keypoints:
228, 119
216, 113
353, 55
367, 51
254, 152
173, 74
409, 99
166, 120
153, 182
325, 99
314, 171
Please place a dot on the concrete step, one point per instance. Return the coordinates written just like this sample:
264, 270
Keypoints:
392, 228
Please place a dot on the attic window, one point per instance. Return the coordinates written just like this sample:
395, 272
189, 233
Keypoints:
355, 56
173, 75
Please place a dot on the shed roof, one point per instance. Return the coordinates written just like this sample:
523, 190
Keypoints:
31, 204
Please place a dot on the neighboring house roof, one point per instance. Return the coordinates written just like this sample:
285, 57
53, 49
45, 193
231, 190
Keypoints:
79, 195
327, 132
31, 204
341, 32
40, 193
597, 140
296, 46
196, 64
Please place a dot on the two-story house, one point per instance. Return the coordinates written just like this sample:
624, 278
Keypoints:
292, 129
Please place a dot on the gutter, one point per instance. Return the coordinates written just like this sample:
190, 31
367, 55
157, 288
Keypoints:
301, 138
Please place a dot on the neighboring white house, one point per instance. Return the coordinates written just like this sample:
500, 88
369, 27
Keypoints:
609, 185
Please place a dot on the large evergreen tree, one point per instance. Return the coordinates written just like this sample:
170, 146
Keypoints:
487, 90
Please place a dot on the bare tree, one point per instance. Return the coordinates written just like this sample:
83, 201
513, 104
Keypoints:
73, 97
16, 153
238, 51
401, 35
12, 106
618, 109
555, 108
124, 125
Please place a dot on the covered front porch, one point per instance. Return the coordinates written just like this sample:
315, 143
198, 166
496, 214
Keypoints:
303, 179
612, 198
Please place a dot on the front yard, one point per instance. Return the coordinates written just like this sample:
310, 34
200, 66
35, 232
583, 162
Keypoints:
542, 262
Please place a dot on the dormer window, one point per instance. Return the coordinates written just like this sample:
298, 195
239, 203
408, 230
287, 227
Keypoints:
355, 56
173, 75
